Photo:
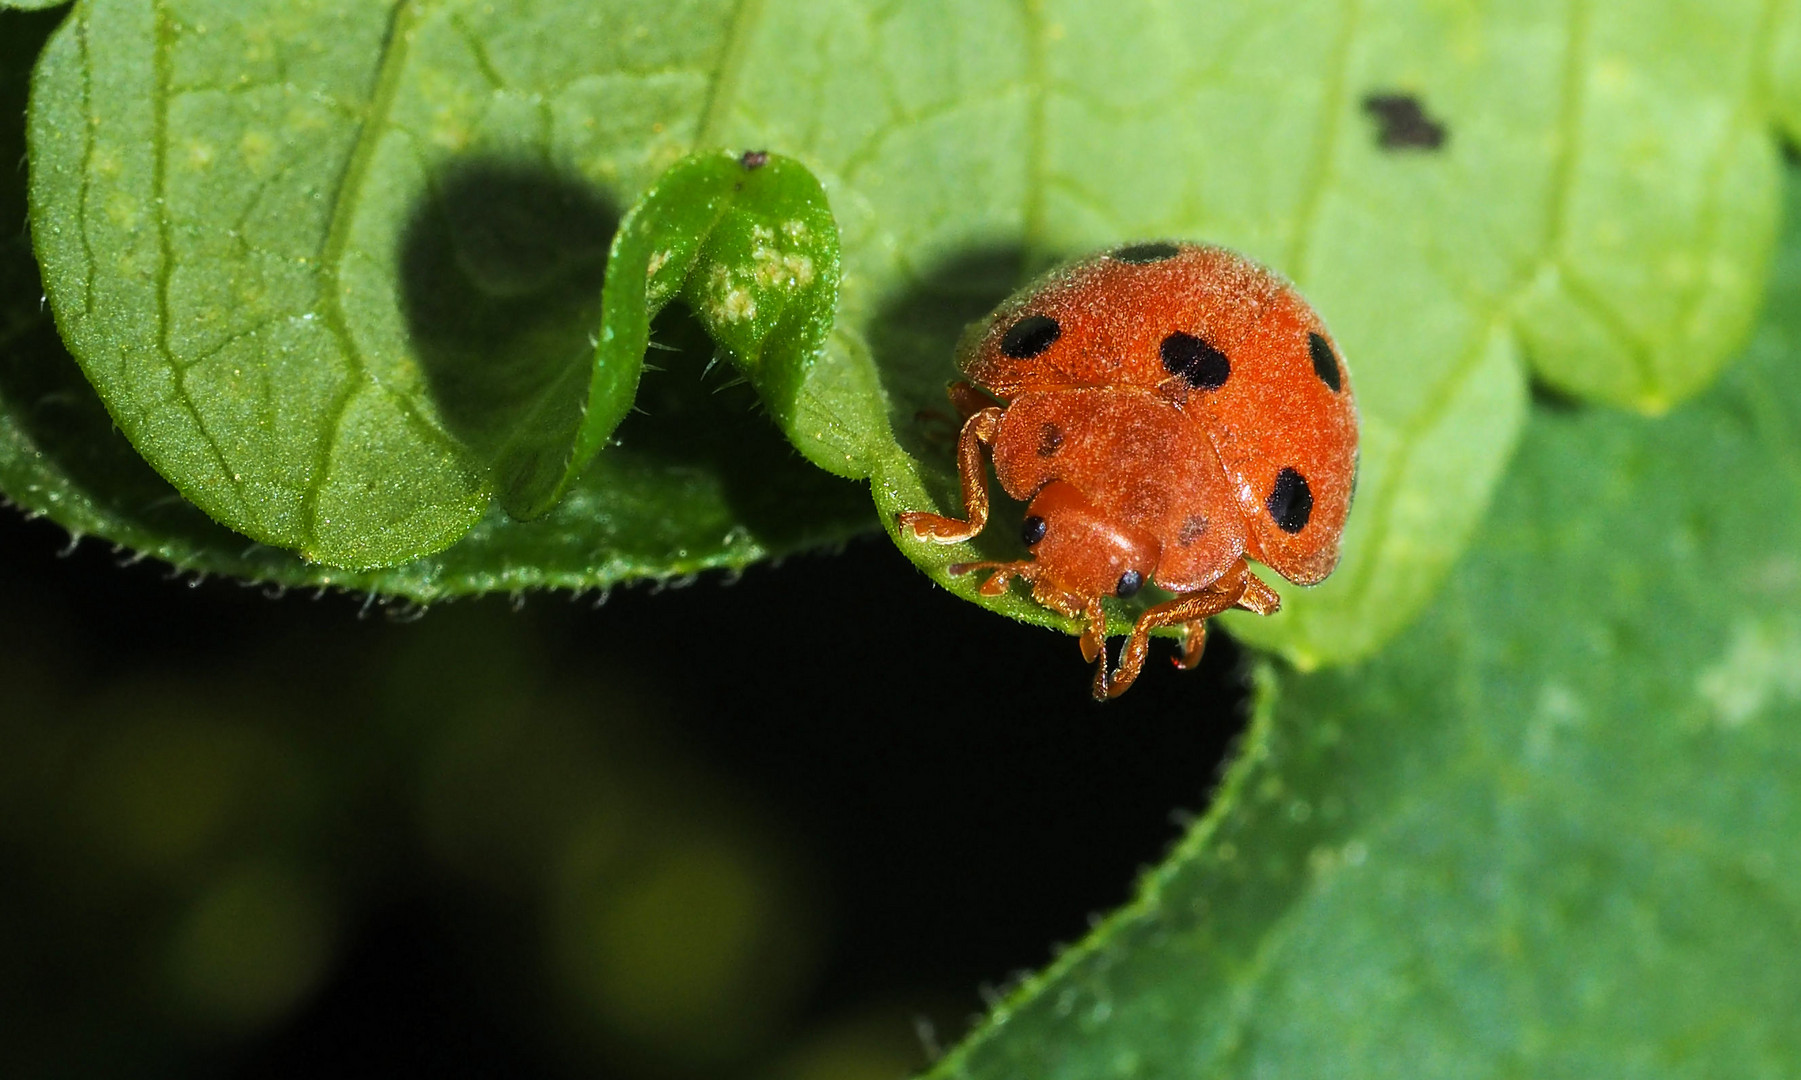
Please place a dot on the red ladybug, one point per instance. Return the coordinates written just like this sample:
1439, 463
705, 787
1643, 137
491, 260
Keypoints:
1168, 410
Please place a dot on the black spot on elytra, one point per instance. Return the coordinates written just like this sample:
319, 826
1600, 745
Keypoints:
1325, 363
1030, 336
1192, 530
1032, 530
1402, 123
1203, 366
1050, 440
1290, 502
1129, 582
1139, 254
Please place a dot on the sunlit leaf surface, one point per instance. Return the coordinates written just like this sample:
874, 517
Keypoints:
250, 216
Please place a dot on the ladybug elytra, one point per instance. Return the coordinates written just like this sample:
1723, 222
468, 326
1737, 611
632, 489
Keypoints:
1167, 411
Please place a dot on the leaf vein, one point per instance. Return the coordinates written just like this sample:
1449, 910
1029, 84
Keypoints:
165, 272
394, 49
722, 91
1333, 104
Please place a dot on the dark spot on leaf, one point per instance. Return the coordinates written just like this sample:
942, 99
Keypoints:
1192, 530
1032, 529
1325, 363
754, 159
1030, 336
1139, 254
1050, 440
1290, 502
1129, 583
1551, 399
1202, 365
1402, 123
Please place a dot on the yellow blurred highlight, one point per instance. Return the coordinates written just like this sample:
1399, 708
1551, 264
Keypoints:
170, 780
250, 947
695, 950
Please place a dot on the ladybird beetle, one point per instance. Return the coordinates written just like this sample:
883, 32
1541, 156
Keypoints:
1166, 411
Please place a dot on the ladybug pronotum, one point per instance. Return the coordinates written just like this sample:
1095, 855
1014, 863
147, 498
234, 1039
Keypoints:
1167, 411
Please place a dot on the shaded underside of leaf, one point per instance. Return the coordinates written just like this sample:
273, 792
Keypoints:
1546, 833
270, 235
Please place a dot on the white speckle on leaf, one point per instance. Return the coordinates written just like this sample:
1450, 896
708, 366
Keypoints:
737, 305
769, 269
657, 262
1762, 663
796, 230
800, 269
1559, 709
731, 301
762, 234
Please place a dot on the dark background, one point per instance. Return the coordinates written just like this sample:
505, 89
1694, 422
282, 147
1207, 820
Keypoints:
917, 798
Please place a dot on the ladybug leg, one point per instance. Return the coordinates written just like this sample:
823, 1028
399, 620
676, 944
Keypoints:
967, 399
1258, 598
1192, 609
1094, 646
1003, 574
1094, 636
979, 431
1194, 642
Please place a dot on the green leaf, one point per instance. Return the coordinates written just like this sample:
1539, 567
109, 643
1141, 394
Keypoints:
750, 245
1545, 834
207, 176
694, 482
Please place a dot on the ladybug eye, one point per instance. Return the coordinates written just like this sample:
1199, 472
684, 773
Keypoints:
1033, 530
1030, 336
1129, 582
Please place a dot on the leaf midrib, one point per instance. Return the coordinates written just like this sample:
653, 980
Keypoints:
395, 47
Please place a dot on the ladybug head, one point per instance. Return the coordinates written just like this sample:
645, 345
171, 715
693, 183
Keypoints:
1080, 552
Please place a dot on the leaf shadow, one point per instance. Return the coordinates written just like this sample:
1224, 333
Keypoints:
502, 272
913, 340
500, 279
